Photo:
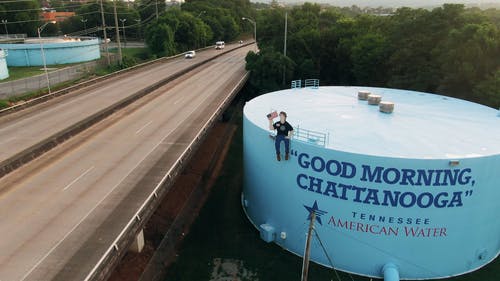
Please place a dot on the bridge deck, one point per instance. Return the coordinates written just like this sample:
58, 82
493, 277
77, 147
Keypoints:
63, 210
24, 129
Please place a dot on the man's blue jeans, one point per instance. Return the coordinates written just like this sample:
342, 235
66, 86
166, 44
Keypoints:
277, 143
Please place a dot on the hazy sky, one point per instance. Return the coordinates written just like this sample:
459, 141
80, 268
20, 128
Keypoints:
387, 3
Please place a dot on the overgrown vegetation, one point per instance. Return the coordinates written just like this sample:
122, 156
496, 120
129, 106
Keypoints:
449, 50
198, 24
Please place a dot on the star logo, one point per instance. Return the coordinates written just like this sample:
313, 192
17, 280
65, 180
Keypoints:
316, 210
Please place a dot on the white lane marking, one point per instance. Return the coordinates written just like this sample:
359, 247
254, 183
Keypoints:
4, 142
105, 196
79, 177
143, 127
93, 208
179, 100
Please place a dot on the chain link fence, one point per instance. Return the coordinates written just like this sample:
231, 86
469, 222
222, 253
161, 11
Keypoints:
21, 86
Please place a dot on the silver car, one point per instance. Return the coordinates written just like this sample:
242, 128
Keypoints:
190, 55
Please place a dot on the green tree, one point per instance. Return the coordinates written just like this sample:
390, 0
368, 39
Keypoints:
160, 39
267, 69
147, 9
488, 90
221, 17
90, 12
369, 57
22, 16
188, 32
468, 57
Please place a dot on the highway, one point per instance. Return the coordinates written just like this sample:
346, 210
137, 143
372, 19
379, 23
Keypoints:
24, 129
61, 211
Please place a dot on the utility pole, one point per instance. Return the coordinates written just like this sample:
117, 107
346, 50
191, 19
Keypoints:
284, 48
105, 35
117, 29
123, 28
305, 262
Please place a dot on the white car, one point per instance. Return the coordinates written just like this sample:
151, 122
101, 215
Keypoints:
190, 55
219, 45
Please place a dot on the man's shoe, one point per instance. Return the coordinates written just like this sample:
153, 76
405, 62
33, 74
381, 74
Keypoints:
278, 157
287, 156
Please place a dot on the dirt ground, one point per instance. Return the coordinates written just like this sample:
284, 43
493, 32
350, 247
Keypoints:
202, 171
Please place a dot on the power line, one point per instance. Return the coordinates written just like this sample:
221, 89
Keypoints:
14, 1
39, 20
327, 255
51, 8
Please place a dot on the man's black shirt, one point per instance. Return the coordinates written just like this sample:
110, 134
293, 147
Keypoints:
282, 129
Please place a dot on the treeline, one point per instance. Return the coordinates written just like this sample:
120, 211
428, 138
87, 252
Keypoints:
20, 17
196, 24
24, 17
449, 50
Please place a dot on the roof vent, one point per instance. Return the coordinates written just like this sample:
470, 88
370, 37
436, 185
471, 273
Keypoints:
363, 95
386, 106
374, 99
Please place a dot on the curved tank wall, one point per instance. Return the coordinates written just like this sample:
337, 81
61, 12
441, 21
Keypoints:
55, 52
417, 188
4, 71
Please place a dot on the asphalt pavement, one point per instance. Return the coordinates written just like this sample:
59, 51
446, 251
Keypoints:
21, 130
62, 211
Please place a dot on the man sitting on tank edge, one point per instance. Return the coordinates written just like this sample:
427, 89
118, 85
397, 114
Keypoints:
284, 132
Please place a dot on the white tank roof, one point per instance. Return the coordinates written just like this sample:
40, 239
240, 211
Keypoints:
422, 126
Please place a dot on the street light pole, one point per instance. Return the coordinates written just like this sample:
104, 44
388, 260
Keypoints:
139, 23
6, 30
124, 35
39, 30
204, 33
254, 30
84, 20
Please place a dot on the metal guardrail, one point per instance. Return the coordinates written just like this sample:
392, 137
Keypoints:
168, 176
311, 137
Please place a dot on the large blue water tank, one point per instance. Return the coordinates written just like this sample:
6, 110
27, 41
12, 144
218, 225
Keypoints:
56, 51
417, 188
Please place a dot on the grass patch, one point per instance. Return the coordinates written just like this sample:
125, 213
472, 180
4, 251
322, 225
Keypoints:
18, 72
223, 231
4, 103
140, 54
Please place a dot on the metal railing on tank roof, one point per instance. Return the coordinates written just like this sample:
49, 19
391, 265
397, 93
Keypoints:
308, 83
311, 137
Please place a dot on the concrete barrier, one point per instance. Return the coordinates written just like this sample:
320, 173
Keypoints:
45, 145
